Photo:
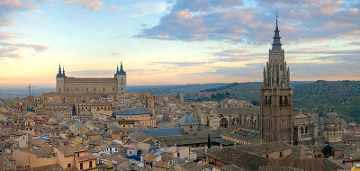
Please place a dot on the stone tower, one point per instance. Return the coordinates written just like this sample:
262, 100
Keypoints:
60, 80
276, 96
120, 76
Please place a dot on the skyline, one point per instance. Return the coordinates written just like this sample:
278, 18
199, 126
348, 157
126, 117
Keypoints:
218, 41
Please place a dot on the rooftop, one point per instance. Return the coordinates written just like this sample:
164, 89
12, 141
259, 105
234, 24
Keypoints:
188, 119
132, 111
163, 132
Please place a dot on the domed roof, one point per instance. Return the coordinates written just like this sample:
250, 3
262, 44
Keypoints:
188, 119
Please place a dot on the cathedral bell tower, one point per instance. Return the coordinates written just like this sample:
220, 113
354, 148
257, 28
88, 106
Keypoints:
276, 96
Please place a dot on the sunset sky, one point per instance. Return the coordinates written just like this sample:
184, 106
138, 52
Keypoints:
176, 41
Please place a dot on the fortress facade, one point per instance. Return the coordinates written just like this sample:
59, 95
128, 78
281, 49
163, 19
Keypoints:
76, 85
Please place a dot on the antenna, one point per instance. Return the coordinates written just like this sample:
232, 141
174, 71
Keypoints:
29, 87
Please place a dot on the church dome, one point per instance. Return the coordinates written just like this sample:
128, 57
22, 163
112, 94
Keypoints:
188, 119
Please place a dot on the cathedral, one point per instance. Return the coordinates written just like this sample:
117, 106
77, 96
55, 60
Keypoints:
276, 96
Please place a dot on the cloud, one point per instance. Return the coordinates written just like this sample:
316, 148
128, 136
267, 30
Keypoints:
249, 71
238, 55
6, 35
8, 52
182, 64
242, 21
37, 48
149, 8
299, 71
13, 50
94, 5
8, 7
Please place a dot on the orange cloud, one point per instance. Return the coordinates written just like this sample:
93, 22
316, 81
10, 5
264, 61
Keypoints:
90, 4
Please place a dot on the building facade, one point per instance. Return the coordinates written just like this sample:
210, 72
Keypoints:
276, 96
75, 85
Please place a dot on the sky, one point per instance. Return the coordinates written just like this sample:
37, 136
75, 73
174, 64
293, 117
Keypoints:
162, 42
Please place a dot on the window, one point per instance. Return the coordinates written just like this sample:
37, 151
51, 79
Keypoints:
267, 155
269, 99
280, 154
90, 164
69, 165
266, 99
81, 166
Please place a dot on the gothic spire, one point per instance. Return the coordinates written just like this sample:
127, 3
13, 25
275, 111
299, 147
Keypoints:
122, 72
276, 38
63, 73
59, 74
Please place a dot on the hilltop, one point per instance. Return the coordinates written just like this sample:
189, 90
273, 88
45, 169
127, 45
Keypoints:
318, 96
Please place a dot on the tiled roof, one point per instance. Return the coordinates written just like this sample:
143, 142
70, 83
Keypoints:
134, 111
161, 132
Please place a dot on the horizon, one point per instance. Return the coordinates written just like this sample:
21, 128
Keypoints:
26, 86
171, 42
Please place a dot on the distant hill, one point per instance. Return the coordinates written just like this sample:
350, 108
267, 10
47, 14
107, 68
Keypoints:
12, 92
319, 96
175, 89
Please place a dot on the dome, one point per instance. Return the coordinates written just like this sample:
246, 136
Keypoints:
188, 119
